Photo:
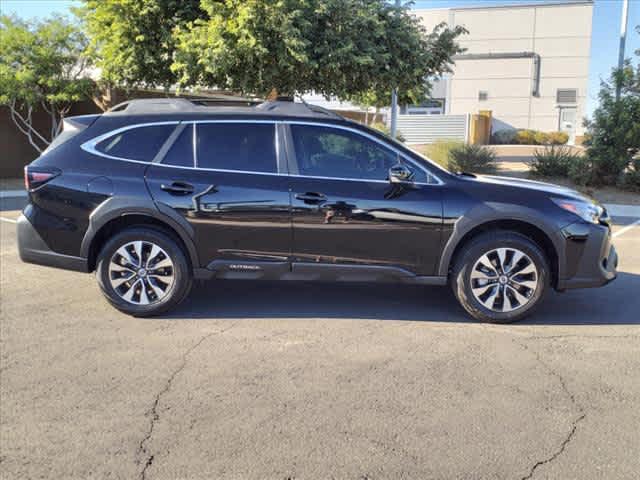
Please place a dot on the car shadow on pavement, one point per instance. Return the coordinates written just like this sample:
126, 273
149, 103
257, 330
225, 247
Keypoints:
615, 304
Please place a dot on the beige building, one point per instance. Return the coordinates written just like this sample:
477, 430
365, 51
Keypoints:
528, 64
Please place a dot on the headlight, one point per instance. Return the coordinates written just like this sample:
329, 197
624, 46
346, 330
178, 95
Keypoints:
589, 212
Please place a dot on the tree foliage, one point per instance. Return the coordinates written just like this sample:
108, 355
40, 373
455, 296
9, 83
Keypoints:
42, 65
614, 130
133, 40
333, 47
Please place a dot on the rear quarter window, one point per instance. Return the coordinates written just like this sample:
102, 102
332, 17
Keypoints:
138, 143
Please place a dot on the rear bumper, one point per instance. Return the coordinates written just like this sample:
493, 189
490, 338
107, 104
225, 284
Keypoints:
33, 249
591, 259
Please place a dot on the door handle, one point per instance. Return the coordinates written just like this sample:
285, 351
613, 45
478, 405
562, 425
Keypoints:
311, 197
178, 188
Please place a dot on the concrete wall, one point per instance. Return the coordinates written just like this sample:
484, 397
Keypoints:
559, 33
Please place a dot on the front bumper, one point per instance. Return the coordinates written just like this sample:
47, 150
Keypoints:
33, 249
590, 257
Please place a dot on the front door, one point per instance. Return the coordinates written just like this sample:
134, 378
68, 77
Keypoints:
345, 211
232, 193
568, 117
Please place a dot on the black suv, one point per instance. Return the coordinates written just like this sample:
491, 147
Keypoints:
155, 193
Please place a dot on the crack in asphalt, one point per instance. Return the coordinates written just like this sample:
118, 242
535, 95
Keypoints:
142, 450
559, 452
574, 425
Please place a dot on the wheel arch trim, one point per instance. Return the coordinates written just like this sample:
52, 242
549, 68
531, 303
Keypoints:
487, 214
115, 208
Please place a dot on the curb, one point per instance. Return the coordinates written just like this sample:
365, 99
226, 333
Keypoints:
619, 210
13, 193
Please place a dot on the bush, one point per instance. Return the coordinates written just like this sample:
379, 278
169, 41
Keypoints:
553, 161
503, 137
581, 171
557, 138
472, 158
541, 138
631, 177
382, 127
528, 137
440, 149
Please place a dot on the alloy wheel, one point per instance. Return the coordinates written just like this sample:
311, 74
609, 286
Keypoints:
504, 279
141, 272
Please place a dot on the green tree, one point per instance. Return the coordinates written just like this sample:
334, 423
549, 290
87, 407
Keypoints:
42, 65
331, 47
614, 130
132, 40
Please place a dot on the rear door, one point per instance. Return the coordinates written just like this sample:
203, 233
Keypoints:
227, 180
345, 210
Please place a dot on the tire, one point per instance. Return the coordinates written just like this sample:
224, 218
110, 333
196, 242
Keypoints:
493, 283
164, 271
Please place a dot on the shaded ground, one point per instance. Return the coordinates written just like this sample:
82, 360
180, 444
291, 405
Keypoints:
307, 381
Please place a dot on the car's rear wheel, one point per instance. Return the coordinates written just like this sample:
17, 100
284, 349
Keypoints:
143, 272
500, 277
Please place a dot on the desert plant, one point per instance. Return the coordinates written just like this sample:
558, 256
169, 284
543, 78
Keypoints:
472, 158
553, 161
438, 151
383, 128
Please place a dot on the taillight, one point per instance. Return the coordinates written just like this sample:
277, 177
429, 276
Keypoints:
35, 177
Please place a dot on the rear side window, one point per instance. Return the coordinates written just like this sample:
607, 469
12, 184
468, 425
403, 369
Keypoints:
181, 152
236, 146
139, 143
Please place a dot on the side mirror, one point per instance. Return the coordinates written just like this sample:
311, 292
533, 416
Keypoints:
400, 173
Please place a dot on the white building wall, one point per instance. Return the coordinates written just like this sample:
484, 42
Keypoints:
559, 33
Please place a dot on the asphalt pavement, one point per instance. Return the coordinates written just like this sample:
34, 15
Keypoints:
250, 380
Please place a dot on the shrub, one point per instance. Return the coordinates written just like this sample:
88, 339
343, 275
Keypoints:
528, 137
382, 127
553, 161
541, 138
439, 151
503, 137
472, 158
581, 171
614, 130
557, 138
631, 177
525, 137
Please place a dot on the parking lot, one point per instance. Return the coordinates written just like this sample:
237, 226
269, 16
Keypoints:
313, 381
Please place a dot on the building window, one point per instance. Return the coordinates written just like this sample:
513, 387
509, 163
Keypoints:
567, 95
483, 95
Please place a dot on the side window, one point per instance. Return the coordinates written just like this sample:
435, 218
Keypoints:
330, 152
181, 152
139, 143
236, 146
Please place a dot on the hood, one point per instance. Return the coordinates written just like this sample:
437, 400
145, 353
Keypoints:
530, 185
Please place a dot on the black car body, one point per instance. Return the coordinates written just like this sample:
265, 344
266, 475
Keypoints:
288, 191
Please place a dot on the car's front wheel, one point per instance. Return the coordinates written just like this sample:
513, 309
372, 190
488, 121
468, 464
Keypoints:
500, 277
143, 272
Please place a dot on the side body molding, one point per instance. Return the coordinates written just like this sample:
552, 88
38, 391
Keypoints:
115, 207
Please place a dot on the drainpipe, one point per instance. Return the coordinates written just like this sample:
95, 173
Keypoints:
535, 87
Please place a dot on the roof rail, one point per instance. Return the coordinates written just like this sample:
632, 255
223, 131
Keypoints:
152, 105
293, 108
